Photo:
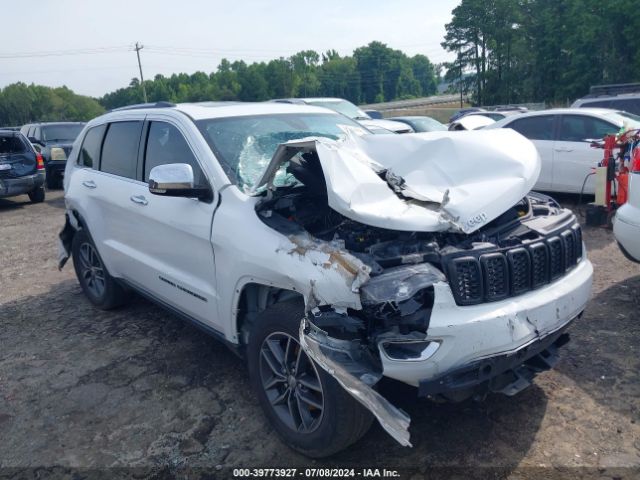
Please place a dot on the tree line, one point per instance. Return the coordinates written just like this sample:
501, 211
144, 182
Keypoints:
510, 51
374, 73
21, 103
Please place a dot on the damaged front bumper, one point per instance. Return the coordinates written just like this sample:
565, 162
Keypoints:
508, 373
344, 361
470, 350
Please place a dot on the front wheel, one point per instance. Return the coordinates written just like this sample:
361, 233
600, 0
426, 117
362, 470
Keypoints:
308, 408
96, 282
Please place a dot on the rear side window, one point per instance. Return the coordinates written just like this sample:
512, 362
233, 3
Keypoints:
120, 149
90, 151
11, 144
580, 128
165, 144
535, 128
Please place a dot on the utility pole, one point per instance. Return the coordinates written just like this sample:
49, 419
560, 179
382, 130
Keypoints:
459, 81
144, 91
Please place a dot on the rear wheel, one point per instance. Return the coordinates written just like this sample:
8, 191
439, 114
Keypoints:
308, 408
96, 282
37, 195
50, 179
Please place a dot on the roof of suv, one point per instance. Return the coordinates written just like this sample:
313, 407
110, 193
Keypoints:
55, 123
202, 110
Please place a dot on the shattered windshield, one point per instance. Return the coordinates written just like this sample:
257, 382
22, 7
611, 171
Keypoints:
245, 145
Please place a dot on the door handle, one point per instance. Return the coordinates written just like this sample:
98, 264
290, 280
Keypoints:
89, 184
139, 199
563, 149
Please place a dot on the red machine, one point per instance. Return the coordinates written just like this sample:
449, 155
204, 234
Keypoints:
619, 154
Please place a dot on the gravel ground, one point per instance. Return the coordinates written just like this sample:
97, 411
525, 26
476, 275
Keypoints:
137, 387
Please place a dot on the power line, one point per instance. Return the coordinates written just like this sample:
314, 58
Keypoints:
59, 53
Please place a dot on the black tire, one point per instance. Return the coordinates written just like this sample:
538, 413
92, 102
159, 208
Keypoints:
96, 282
50, 179
341, 421
37, 195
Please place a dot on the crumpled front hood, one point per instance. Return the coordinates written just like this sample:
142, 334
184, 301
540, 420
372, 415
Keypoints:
427, 182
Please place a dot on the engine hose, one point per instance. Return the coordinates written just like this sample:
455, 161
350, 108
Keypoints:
584, 183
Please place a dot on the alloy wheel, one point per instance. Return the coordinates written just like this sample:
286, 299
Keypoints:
92, 270
291, 382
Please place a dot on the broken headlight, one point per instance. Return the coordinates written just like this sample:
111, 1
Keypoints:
401, 298
400, 283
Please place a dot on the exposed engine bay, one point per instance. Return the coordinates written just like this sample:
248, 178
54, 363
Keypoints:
403, 266
303, 206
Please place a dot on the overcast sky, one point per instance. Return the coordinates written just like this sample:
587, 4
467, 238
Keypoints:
191, 35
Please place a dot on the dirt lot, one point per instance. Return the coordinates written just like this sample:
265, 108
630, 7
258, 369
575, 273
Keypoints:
83, 388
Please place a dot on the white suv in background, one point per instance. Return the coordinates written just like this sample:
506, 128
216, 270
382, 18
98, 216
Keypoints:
328, 257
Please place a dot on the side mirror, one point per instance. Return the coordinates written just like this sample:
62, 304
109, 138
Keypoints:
176, 180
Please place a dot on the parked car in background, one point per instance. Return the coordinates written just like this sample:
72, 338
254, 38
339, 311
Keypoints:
420, 123
471, 122
54, 141
375, 114
563, 137
511, 108
350, 110
326, 257
463, 111
617, 97
21, 167
10, 128
626, 223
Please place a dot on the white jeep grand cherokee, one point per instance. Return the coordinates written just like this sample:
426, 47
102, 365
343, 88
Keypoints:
327, 257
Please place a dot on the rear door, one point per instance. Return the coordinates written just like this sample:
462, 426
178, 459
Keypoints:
107, 186
574, 157
540, 129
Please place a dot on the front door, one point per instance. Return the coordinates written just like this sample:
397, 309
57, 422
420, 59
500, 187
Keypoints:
574, 157
172, 234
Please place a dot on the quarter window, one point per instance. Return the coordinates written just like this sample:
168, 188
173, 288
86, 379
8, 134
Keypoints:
90, 151
120, 149
579, 128
535, 128
165, 144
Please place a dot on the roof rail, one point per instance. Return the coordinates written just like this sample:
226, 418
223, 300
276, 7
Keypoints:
144, 105
613, 89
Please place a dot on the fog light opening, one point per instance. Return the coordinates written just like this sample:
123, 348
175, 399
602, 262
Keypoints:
411, 351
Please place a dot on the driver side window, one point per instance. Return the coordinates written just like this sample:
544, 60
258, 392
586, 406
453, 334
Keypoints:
165, 144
